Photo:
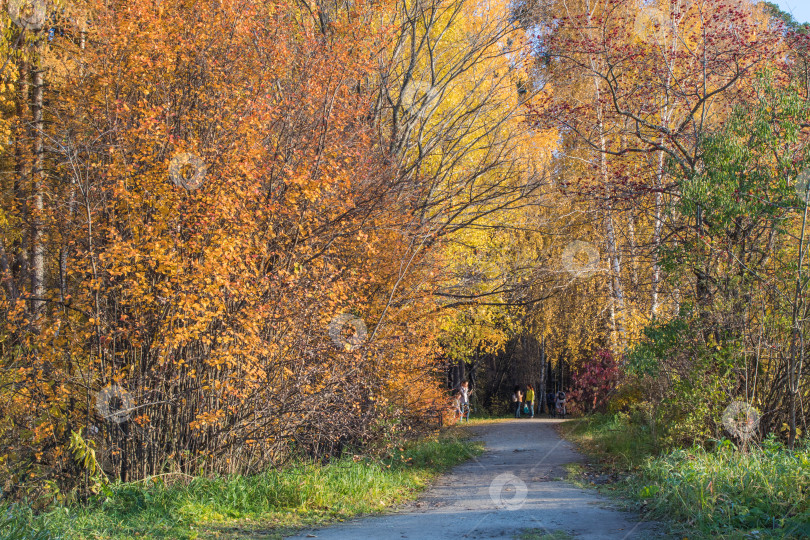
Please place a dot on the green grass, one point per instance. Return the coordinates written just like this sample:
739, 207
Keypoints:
714, 493
18, 522
725, 492
480, 415
613, 439
261, 506
482, 421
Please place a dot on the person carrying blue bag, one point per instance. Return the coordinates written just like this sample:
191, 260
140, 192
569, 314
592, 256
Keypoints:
528, 408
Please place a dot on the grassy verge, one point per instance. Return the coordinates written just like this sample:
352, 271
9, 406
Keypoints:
724, 492
614, 440
720, 492
262, 506
482, 420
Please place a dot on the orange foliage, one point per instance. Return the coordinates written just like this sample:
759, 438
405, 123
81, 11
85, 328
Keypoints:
215, 199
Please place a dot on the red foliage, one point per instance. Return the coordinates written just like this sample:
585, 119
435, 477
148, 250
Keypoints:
594, 381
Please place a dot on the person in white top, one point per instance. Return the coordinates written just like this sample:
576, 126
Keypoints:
465, 400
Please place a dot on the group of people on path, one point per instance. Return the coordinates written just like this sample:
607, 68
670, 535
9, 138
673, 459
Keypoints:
522, 402
525, 402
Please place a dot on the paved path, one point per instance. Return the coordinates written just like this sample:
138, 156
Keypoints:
513, 487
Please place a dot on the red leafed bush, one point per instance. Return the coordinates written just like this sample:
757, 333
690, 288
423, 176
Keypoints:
594, 382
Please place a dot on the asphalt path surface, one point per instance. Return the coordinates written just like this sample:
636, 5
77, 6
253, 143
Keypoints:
514, 487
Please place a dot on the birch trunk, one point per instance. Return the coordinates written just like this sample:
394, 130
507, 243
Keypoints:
617, 305
37, 234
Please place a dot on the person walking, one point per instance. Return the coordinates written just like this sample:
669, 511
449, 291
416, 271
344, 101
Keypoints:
464, 389
550, 403
517, 400
560, 402
530, 399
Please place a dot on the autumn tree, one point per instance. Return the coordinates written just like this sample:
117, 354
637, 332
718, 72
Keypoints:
216, 206
637, 87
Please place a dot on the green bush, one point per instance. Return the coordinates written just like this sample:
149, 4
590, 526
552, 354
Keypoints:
683, 382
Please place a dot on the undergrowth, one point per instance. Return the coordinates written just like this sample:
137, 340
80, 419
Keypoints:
266, 505
716, 492
724, 491
615, 439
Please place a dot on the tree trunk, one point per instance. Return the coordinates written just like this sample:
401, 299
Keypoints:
37, 235
610, 235
541, 388
658, 225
